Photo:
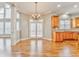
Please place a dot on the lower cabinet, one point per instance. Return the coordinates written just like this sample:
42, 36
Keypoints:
61, 36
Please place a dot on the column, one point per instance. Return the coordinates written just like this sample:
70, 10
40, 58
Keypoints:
13, 25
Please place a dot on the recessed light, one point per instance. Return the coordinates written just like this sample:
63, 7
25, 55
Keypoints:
75, 6
58, 5
65, 16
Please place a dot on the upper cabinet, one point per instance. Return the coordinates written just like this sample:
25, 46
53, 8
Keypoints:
64, 23
55, 21
77, 22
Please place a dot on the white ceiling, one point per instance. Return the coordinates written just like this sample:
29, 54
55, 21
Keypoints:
48, 7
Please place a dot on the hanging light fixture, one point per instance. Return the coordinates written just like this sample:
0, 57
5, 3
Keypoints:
36, 16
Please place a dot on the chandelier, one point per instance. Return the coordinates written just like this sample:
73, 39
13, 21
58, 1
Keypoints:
36, 16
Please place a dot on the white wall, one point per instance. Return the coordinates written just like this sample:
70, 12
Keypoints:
47, 30
47, 27
24, 26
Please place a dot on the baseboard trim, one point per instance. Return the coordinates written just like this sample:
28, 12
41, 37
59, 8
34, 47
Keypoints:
31, 38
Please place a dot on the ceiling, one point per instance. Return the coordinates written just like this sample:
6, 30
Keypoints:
45, 8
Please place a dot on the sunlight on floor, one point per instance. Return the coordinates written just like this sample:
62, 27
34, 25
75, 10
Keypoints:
66, 52
46, 48
36, 47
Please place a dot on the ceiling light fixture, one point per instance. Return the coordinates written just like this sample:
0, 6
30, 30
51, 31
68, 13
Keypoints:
75, 6
36, 16
58, 5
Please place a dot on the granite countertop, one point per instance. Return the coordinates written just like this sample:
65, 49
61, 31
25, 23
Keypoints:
62, 30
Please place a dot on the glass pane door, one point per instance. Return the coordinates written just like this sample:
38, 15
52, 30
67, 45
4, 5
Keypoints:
36, 29
32, 30
39, 29
1, 44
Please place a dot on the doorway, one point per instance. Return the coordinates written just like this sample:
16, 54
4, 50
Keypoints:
36, 28
36, 34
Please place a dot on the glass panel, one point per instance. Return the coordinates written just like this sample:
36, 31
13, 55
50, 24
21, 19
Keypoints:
18, 15
1, 28
36, 28
32, 29
18, 21
1, 15
8, 44
8, 13
39, 29
7, 27
1, 10
1, 44
17, 26
65, 24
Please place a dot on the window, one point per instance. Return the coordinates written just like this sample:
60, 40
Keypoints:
1, 13
5, 16
8, 44
7, 21
1, 27
5, 43
18, 26
18, 15
36, 28
1, 10
65, 24
8, 13
18, 21
1, 44
32, 29
7, 27
39, 29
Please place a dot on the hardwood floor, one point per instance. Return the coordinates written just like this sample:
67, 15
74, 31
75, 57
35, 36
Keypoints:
46, 48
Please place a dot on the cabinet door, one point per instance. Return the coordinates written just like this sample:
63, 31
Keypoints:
71, 35
55, 21
75, 35
77, 22
59, 36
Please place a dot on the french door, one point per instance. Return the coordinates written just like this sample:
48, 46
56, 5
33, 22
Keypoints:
36, 29
36, 32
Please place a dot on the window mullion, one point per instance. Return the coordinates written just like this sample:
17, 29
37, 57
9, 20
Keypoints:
4, 20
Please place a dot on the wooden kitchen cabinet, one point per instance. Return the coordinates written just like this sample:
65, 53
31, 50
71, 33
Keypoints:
61, 36
77, 22
55, 21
